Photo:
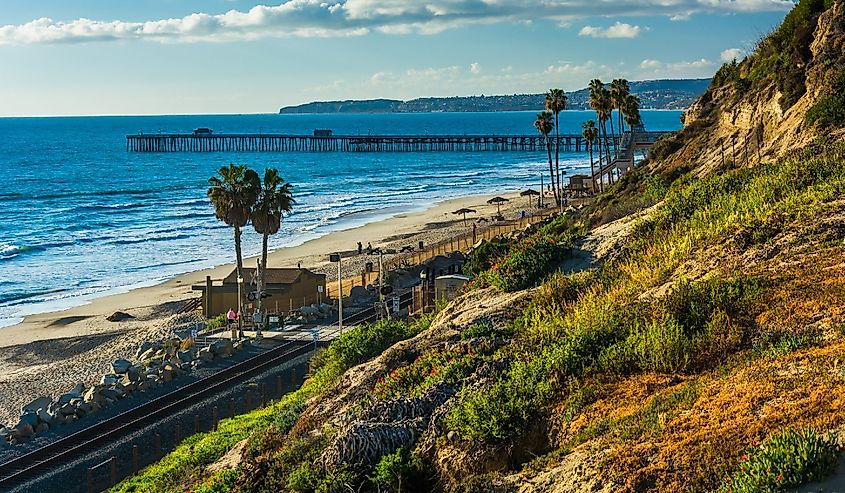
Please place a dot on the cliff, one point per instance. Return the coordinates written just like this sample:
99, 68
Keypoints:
780, 98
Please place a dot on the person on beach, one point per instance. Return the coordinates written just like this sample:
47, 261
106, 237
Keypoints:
230, 318
369, 247
360, 248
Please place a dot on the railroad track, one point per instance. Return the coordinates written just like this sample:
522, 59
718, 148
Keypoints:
27, 467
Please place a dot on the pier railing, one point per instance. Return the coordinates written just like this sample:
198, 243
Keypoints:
161, 143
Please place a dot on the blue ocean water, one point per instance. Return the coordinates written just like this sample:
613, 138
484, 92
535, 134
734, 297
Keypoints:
82, 218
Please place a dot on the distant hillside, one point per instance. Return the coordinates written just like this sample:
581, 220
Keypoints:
654, 94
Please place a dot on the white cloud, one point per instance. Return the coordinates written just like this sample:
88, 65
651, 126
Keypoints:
618, 30
337, 18
475, 68
731, 54
695, 68
455, 80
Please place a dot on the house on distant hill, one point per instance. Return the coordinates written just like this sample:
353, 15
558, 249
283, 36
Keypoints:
286, 288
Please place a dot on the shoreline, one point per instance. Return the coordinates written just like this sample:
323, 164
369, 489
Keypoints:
433, 223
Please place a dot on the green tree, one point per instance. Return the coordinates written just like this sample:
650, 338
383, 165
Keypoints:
545, 125
632, 114
601, 103
590, 134
619, 92
555, 103
233, 193
274, 199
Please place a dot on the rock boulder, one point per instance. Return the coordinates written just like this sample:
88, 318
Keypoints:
42, 402
119, 317
121, 366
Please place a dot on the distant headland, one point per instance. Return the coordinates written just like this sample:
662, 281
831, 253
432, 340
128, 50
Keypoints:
670, 94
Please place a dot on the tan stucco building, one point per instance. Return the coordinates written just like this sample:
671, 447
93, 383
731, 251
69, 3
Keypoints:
288, 288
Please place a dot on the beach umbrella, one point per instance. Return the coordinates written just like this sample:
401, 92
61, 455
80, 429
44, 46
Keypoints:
498, 201
464, 211
529, 193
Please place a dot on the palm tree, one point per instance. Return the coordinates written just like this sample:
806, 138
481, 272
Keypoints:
600, 102
632, 115
555, 103
544, 125
631, 110
619, 92
274, 199
233, 194
590, 133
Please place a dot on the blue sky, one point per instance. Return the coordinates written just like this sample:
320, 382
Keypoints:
237, 56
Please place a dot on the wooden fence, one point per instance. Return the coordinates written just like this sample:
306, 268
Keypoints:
460, 242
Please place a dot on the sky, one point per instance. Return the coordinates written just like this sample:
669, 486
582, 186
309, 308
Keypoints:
105, 57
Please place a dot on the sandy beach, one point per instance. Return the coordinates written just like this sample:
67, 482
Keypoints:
49, 353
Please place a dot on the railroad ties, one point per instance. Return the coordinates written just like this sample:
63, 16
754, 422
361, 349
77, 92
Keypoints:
345, 143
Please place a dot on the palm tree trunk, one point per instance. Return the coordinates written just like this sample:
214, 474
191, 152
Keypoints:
613, 135
601, 161
551, 170
239, 280
592, 169
621, 125
607, 151
263, 275
557, 160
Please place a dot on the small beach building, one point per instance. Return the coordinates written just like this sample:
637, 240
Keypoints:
579, 183
287, 288
449, 286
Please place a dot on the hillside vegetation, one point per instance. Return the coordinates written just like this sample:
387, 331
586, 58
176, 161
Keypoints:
705, 351
656, 94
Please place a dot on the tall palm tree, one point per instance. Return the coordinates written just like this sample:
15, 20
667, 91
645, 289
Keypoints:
233, 193
555, 103
631, 110
545, 125
274, 199
590, 133
600, 102
632, 115
619, 92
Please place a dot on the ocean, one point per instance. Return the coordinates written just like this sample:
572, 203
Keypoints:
83, 218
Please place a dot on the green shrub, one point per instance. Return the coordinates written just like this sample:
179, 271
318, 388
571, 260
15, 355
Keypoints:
485, 328
216, 322
220, 482
661, 409
400, 471
339, 480
485, 256
788, 459
505, 408
580, 397
426, 371
661, 346
829, 110
362, 343
664, 146
303, 479
777, 343
654, 189
527, 263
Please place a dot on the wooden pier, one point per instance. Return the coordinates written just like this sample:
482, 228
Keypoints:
207, 142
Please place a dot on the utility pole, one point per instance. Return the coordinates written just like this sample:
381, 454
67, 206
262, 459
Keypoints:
335, 257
